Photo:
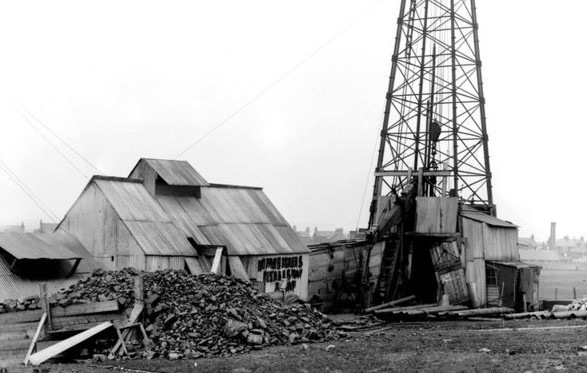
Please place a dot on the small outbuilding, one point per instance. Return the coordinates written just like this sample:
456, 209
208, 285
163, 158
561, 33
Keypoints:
166, 215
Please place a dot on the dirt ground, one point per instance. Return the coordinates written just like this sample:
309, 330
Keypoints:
455, 346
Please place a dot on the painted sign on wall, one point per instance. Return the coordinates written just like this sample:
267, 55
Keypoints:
287, 269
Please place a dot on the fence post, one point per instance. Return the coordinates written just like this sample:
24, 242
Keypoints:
555, 293
574, 293
44, 300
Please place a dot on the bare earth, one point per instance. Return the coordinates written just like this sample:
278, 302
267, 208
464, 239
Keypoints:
464, 346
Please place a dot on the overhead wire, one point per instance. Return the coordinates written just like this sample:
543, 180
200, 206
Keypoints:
52, 145
22, 185
59, 138
277, 81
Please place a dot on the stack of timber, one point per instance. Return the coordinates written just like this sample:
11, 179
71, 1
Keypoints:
343, 274
434, 311
573, 314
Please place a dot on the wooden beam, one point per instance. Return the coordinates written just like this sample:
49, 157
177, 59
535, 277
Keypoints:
390, 304
74, 268
132, 318
237, 269
217, 260
44, 300
35, 338
65, 345
409, 173
84, 309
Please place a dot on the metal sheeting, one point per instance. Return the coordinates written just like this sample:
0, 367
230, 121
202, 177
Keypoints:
131, 200
13, 286
41, 245
488, 219
240, 218
176, 172
160, 239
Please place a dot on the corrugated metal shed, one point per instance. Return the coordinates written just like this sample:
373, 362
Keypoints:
41, 245
13, 286
175, 172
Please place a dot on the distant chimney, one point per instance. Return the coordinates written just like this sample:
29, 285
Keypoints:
552, 236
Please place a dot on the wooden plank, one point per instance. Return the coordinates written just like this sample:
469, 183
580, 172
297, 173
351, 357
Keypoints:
483, 312
132, 318
83, 309
64, 345
402, 309
44, 300
65, 321
217, 260
34, 341
389, 304
237, 268
21, 316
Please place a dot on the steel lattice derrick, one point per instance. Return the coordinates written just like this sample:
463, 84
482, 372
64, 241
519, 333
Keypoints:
435, 82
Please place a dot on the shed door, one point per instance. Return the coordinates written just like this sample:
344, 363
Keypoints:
449, 271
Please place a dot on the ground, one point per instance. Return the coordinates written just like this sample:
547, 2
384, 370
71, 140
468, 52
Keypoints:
451, 346
563, 281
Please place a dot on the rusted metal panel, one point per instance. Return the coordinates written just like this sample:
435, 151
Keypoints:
156, 238
436, 214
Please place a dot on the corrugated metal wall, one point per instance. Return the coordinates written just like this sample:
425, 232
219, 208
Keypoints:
486, 242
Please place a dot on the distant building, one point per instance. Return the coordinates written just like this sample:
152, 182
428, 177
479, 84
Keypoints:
328, 236
12, 228
46, 227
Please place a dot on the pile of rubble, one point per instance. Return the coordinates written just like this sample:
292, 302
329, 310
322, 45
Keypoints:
206, 315
13, 305
576, 305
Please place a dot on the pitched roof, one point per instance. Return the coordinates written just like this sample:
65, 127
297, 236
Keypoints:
42, 245
175, 172
241, 218
145, 219
488, 219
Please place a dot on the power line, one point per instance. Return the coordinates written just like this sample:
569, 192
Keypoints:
277, 81
28, 192
59, 138
52, 145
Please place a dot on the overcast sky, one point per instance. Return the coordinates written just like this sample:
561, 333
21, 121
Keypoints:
299, 89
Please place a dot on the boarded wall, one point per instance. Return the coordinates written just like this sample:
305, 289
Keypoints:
328, 264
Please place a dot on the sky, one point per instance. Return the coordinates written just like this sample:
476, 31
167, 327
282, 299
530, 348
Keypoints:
288, 96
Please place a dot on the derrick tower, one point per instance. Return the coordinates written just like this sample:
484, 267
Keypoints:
434, 126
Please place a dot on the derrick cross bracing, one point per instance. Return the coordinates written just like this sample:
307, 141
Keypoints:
435, 108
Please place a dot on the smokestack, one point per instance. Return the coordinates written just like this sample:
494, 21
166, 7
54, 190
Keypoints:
552, 242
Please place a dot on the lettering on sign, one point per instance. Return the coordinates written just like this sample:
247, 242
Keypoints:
278, 269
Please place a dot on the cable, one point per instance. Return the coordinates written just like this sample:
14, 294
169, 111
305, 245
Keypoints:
52, 145
60, 139
28, 192
282, 77
367, 179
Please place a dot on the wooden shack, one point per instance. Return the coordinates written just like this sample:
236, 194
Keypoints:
344, 274
166, 215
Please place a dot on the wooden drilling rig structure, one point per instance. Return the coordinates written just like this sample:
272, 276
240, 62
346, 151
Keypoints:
432, 207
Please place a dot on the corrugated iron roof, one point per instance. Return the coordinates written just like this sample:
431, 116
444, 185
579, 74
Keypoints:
242, 219
163, 239
513, 264
176, 172
488, 219
131, 200
42, 245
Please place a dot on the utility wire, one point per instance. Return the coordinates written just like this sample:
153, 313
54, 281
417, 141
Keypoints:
28, 191
52, 145
282, 77
59, 138
369, 170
